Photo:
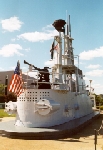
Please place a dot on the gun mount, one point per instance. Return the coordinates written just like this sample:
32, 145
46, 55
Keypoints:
43, 76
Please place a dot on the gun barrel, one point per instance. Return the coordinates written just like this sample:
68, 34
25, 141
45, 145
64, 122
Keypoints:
41, 70
25, 62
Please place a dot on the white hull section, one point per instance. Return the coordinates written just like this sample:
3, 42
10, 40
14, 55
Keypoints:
47, 107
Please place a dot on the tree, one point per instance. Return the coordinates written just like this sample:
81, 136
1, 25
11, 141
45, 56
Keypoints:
6, 98
2, 89
99, 100
11, 97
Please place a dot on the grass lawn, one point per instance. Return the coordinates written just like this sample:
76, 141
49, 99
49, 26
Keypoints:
4, 114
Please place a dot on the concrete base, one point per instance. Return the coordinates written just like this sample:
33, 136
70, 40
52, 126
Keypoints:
8, 129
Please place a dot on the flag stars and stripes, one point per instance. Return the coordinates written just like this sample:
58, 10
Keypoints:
16, 83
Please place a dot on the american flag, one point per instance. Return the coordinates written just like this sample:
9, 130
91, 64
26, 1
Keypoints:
16, 83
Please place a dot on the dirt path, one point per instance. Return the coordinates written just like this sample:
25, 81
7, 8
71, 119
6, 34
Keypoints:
84, 140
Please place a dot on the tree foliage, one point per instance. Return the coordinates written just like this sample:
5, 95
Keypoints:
6, 98
99, 100
2, 89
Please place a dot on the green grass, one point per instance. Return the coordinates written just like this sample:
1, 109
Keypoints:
4, 114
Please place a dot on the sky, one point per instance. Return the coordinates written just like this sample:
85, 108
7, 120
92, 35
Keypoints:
26, 33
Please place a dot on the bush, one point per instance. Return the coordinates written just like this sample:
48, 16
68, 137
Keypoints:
10, 97
2, 98
99, 107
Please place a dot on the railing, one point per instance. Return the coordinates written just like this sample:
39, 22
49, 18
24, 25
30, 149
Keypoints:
66, 84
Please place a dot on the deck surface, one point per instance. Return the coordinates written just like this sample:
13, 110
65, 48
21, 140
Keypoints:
10, 130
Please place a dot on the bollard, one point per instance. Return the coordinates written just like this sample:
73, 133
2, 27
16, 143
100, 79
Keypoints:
95, 138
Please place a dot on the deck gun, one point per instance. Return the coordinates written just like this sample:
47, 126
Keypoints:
43, 73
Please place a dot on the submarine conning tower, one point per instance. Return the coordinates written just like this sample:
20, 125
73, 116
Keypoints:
64, 64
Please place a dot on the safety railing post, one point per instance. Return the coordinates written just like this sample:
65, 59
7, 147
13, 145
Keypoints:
95, 138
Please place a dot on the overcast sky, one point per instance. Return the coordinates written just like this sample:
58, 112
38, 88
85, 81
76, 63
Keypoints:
26, 33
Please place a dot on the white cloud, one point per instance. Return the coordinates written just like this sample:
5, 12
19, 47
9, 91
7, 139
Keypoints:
96, 72
87, 55
37, 36
93, 66
11, 24
10, 50
47, 33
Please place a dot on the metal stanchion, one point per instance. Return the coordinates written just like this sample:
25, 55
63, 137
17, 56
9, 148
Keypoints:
95, 138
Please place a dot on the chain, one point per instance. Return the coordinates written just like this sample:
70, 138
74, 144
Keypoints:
101, 127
